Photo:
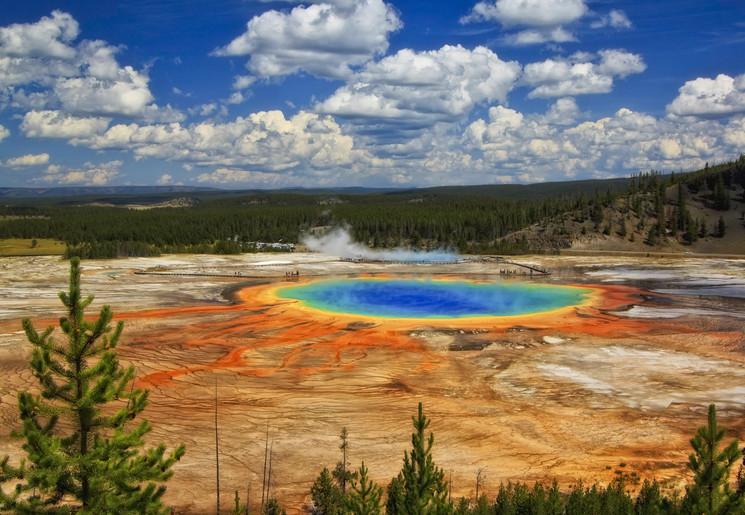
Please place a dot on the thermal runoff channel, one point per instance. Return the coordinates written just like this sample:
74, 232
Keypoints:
398, 298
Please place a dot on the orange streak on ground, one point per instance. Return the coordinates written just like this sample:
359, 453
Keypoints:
301, 334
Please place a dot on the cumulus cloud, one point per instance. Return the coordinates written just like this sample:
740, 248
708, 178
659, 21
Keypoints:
413, 90
49, 37
576, 76
79, 79
562, 112
4, 133
265, 140
167, 179
28, 160
537, 13
253, 179
324, 38
88, 175
90, 95
544, 18
56, 124
710, 98
627, 142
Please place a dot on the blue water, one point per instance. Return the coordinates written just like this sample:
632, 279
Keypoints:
397, 298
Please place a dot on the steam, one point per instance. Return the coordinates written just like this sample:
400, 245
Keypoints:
339, 242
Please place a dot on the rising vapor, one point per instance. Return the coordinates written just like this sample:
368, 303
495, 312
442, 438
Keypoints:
338, 242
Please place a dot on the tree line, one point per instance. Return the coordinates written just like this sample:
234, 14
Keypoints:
459, 218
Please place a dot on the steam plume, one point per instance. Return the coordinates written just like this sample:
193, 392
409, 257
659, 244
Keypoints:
338, 242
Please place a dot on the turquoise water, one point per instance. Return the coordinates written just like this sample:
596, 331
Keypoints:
397, 298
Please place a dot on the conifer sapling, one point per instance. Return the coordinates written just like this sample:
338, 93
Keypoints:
81, 454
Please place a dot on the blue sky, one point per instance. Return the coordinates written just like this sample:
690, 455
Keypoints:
271, 94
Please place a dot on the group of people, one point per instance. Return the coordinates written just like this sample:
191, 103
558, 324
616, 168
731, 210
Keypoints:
508, 271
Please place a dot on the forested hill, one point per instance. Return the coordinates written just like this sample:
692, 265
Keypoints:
701, 211
147, 195
527, 191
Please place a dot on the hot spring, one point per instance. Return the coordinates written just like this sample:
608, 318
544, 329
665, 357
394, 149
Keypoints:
401, 298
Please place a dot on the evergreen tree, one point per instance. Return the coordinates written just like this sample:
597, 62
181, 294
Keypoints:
720, 195
238, 508
394, 496
364, 498
325, 495
721, 227
710, 492
649, 500
424, 487
273, 508
691, 234
90, 463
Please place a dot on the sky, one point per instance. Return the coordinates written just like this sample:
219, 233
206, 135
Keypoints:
240, 94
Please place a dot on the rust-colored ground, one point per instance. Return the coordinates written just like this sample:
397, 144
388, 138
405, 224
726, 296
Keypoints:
568, 394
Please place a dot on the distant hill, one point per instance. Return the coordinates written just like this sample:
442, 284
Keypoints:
77, 191
534, 191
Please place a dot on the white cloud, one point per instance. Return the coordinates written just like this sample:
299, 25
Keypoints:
418, 89
15, 71
535, 13
28, 160
246, 178
236, 98
56, 124
566, 77
545, 18
4, 133
710, 98
616, 19
243, 81
88, 175
324, 38
80, 80
562, 112
128, 96
618, 145
620, 63
49, 37
165, 179
265, 140
534, 37
619, 20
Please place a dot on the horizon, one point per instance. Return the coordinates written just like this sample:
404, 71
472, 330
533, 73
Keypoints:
331, 94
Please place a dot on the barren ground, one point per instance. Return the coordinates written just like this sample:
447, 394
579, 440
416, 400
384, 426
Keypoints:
568, 396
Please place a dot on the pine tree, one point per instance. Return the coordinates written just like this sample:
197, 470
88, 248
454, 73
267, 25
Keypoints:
238, 508
91, 462
720, 195
702, 229
326, 495
272, 507
394, 496
721, 227
710, 492
424, 487
364, 497
649, 499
